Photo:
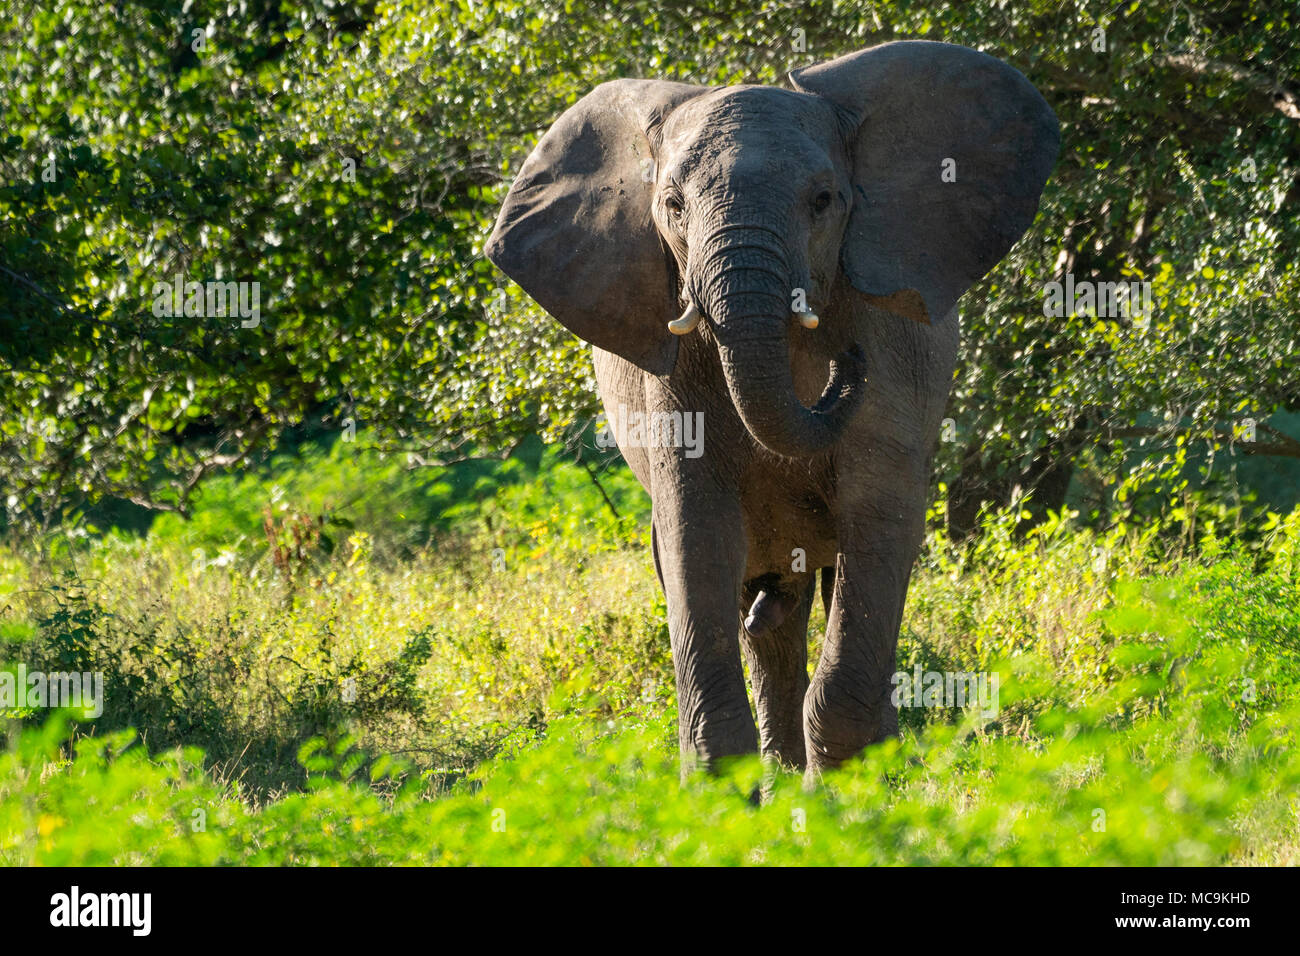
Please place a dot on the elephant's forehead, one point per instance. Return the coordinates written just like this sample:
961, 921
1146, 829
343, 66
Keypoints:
741, 111
748, 133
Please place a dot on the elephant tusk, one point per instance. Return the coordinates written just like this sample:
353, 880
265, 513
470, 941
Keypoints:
808, 320
687, 323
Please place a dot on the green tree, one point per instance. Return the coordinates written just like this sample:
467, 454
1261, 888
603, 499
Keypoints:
350, 157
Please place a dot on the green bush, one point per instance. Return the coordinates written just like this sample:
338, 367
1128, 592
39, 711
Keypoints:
453, 708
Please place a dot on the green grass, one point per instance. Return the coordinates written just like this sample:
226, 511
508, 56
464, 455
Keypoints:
344, 485
502, 694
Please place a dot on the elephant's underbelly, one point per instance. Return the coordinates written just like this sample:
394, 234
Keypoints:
789, 528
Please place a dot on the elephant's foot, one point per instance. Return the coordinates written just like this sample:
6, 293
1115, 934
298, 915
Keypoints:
707, 741
839, 724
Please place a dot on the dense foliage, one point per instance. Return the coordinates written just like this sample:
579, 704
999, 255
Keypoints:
349, 157
508, 699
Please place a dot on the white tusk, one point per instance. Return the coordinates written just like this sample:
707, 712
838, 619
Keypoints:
808, 320
687, 323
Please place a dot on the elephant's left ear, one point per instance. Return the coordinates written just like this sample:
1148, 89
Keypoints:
951, 152
576, 231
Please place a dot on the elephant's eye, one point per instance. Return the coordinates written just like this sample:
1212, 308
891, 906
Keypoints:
822, 202
674, 206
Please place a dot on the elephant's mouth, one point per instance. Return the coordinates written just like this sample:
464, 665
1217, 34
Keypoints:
756, 364
844, 385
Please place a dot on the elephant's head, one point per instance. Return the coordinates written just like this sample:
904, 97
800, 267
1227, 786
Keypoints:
651, 206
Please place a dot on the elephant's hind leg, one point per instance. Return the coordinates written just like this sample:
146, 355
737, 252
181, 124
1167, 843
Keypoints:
777, 654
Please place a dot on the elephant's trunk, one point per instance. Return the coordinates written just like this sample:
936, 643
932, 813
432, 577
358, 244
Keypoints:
743, 288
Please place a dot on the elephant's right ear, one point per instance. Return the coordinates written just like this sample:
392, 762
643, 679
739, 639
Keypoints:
576, 232
951, 150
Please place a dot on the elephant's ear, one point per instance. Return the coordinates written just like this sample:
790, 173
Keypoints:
951, 150
576, 232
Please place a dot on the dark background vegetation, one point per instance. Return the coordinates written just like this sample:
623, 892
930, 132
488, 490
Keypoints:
1179, 166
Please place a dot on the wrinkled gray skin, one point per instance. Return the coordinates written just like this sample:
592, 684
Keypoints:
649, 196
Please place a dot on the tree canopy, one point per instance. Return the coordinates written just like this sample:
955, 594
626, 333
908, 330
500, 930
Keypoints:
349, 157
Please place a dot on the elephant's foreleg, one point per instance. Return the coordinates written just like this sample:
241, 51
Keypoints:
699, 540
848, 704
778, 669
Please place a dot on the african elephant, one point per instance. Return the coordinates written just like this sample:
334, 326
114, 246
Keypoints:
785, 264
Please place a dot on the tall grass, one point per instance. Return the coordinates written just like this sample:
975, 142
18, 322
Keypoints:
502, 693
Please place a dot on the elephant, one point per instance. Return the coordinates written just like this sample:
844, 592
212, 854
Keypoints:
784, 266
